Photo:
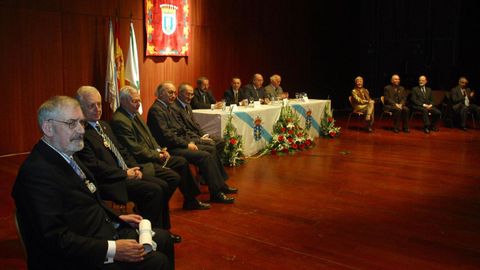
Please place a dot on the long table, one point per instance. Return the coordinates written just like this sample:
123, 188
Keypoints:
213, 121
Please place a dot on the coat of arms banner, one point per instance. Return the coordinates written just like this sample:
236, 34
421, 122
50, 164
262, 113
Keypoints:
167, 27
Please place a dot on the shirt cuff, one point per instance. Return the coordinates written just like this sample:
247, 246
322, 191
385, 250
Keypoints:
112, 248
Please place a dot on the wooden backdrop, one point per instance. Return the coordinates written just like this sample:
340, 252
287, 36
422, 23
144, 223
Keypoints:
51, 47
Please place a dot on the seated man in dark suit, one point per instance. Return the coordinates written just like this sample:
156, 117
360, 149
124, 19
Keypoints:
235, 94
118, 175
422, 100
168, 131
395, 102
463, 102
63, 221
134, 135
204, 98
255, 89
184, 115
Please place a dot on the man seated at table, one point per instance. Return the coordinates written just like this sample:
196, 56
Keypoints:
235, 94
166, 130
255, 89
62, 219
133, 134
274, 90
203, 98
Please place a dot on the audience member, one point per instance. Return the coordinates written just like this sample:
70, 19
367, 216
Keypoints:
395, 101
118, 176
362, 102
462, 102
255, 90
63, 220
166, 129
133, 134
204, 98
422, 100
185, 116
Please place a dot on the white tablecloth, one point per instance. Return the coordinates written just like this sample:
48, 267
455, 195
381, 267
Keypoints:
213, 121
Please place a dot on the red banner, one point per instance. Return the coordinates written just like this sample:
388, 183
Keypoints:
167, 27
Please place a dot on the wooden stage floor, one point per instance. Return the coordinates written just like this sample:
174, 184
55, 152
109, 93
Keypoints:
361, 201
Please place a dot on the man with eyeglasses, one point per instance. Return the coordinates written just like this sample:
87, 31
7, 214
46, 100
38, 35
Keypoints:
62, 219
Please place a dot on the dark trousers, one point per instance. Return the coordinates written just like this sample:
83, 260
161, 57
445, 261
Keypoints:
149, 196
462, 111
207, 164
162, 259
399, 115
435, 114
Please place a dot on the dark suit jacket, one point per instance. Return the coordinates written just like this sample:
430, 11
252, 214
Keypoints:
457, 98
166, 128
185, 117
418, 98
255, 93
230, 97
103, 164
198, 99
392, 96
135, 136
65, 226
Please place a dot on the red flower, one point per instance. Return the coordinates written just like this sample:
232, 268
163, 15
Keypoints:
283, 129
330, 119
299, 134
233, 141
302, 146
290, 131
290, 140
332, 133
285, 150
294, 146
273, 152
308, 142
280, 138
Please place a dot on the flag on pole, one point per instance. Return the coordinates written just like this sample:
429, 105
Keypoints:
132, 73
111, 86
119, 57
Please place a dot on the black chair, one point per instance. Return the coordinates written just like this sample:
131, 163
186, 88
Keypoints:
352, 113
384, 112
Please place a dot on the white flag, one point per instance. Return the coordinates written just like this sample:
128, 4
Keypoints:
132, 74
111, 87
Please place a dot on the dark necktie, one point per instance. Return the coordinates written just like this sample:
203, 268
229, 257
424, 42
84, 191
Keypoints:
423, 91
109, 144
77, 169
204, 98
235, 98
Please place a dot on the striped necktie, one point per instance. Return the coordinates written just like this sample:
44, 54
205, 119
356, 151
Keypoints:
109, 144
77, 169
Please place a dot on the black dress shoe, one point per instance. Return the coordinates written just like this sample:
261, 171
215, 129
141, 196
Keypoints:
434, 129
406, 130
230, 190
396, 130
369, 129
464, 128
220, 197
176, 238
426, 130
196, 205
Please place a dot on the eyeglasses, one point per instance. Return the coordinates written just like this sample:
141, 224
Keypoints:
72, 124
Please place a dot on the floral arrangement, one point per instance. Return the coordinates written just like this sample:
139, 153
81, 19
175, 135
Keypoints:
233, 150
288, 137
327, 125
